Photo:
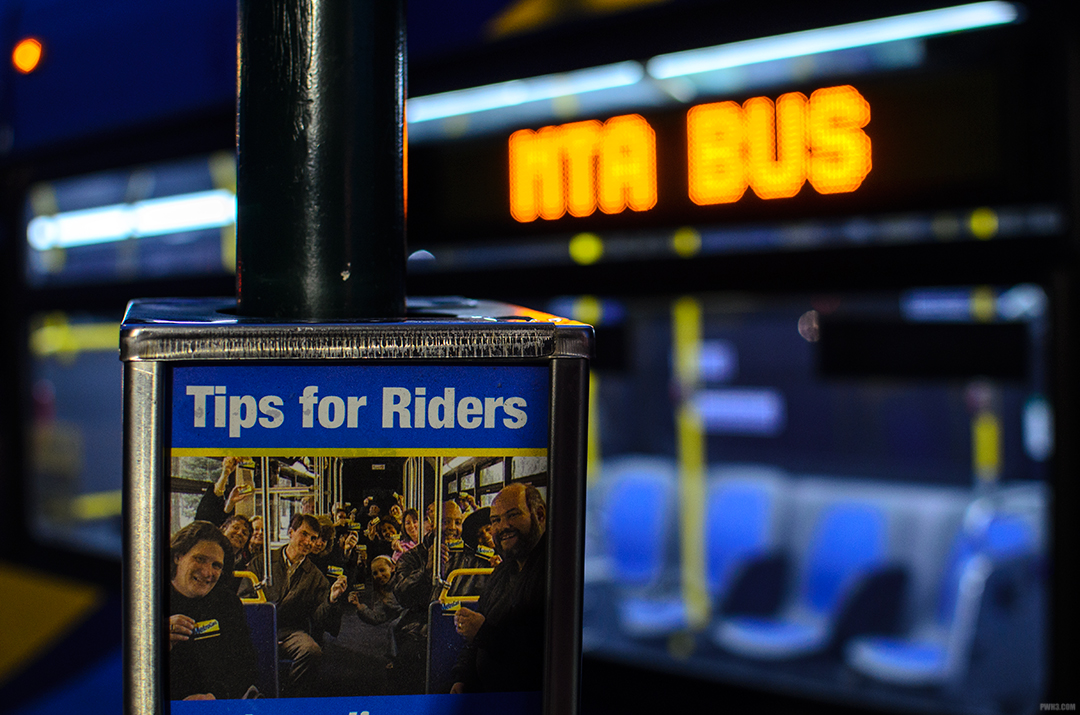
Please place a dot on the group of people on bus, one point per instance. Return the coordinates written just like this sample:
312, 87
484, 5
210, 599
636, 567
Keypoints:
384, 568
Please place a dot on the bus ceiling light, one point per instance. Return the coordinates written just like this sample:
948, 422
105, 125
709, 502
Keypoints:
690, 62
27, 55
829, 39
520, 91
152, 217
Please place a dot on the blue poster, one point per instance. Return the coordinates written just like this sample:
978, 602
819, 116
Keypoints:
359, 407
357, 538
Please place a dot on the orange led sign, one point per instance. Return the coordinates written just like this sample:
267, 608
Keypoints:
574, 168
773, 148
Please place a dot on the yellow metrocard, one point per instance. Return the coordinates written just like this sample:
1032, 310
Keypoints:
206, 629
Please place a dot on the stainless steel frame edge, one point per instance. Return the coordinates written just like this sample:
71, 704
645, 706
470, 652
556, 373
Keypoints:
194, 330
144, 477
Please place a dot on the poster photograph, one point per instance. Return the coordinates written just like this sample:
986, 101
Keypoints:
368, 535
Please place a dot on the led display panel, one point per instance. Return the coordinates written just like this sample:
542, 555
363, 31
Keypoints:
914, 140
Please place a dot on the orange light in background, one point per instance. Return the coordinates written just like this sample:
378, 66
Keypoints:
776, 145
773, 148
575, 167
776, 148
627, 171
839, 148
715, 150
580, 142
536, 175
27, 55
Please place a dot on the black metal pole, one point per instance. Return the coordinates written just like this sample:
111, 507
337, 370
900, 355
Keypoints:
320, 188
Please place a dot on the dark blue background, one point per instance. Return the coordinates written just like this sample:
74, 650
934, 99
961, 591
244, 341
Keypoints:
125, 64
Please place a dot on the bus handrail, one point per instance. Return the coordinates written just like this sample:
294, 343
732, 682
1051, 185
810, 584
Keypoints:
260, 595
446, 600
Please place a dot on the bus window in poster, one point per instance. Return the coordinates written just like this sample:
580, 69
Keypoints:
304, 558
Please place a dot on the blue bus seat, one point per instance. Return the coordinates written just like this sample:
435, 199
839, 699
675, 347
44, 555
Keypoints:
639, 530
637, 521
262, 624
444, 642
846, 546
937, 650
444, 646
745, 571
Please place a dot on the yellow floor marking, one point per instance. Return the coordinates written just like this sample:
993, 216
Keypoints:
38, 610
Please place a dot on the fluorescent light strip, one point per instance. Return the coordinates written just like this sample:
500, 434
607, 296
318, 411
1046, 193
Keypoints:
736, 54
153, 217
828, 39
520, 91
937, 305
745, 410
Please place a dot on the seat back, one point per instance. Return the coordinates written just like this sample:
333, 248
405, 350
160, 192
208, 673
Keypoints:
848, 540
996, 536
638, 523
738, 517
262, 624
1008, 536
444, 642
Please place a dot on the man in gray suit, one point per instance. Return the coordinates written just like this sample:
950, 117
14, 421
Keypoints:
307, 605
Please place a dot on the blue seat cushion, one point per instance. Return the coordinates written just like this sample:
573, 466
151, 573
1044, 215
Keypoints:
772, 638
652, 617
903, 662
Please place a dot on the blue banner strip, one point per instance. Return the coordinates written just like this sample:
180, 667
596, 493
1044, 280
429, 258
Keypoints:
360, 407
